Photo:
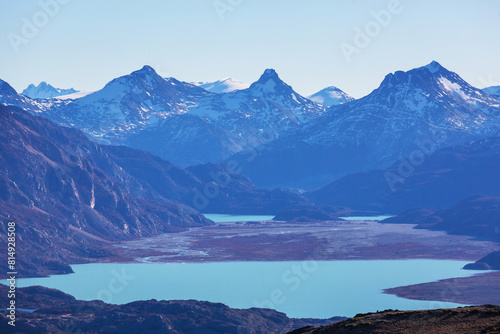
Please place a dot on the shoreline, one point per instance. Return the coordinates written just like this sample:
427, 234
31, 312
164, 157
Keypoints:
275, 241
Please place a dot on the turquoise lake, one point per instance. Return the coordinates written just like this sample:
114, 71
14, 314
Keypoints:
300, 289
224, 218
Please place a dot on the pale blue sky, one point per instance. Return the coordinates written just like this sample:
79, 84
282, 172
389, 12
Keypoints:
89, 42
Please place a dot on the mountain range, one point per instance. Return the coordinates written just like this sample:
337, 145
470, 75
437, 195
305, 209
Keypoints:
45, 91
179, 121
277, 137
408, 110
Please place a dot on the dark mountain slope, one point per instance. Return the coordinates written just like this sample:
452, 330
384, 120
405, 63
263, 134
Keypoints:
477, 216
63, 203
439, 180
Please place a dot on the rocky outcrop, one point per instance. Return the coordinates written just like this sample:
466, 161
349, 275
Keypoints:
471, 320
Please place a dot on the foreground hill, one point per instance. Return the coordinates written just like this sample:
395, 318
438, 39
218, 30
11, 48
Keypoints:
440, 180
470, 320
58, 312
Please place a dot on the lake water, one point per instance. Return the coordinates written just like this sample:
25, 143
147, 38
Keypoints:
300, 289
378, 218
224, 218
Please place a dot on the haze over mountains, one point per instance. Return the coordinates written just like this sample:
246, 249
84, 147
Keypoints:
292, 140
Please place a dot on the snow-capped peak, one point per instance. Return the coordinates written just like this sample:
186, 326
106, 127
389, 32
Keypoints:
330, 96
225, 85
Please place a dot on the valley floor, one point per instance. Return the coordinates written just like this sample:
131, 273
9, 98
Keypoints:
336, 240
291, 241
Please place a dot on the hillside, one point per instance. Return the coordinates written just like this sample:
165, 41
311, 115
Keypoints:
477, 216
470, 320
440, 180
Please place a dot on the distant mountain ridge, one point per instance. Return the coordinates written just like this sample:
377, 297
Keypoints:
301, 144
45, 91
493, 90
408, 108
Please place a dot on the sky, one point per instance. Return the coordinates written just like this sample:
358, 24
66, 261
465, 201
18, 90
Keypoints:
312, 44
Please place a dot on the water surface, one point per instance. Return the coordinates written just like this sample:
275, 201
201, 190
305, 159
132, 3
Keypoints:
224, 218
300, 289
377, 218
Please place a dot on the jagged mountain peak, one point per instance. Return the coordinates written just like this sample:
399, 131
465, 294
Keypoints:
267, 79
45, 91
434, 82
145, 70
433, 67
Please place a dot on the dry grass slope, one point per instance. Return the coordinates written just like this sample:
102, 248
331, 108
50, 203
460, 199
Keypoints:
462, 320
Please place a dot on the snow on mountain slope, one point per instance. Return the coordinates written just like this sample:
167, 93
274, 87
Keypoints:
9, 96
46, 91
141, 110
331, 96
129, 104
225, 85
410, 102
269, 105
426, 104
493, 90
76, 95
